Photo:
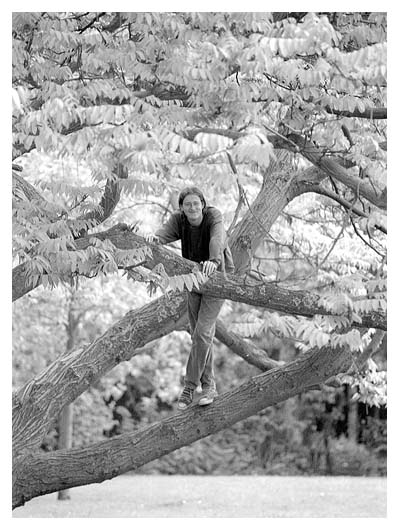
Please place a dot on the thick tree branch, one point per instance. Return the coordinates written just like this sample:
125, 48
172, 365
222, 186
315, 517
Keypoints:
220, 285
105, 460
36, 404
110, 197
378, 113
108, 202
77, 369
21, 187
280, 185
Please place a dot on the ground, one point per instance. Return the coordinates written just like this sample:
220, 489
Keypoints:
135, 496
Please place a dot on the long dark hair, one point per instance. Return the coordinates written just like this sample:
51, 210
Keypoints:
191, 190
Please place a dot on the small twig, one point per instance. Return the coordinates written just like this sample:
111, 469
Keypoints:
134, 266
347, 205
341, 230
84, 197
237, 211
333, 244
275, 82
140, 203
95, 19
364, 240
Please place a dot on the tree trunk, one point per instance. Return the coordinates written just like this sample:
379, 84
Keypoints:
352, 420
277, 191
65, 427
65, 418
40, 473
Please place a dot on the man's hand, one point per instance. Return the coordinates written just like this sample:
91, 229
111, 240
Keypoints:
151, 238
209, 267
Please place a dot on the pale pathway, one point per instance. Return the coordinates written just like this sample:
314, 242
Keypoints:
217, 496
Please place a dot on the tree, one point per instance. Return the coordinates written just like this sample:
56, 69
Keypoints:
283, 109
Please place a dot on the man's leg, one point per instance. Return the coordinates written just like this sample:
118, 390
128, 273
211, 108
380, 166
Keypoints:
186, 398
199, 367
194, 302
193, 305
207, 379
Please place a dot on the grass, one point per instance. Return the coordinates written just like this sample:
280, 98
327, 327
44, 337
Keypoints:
135, 496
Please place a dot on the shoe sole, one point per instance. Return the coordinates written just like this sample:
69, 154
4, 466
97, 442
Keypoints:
183, 406
205, 401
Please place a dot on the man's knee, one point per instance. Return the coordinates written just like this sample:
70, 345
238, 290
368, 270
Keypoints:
203, 332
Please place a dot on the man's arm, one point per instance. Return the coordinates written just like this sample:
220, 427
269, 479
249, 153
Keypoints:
169, 232
217, 237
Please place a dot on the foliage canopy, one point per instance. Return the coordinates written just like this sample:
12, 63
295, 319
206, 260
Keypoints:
141, 103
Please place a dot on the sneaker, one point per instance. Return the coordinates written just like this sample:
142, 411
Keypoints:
186, 398
208, 396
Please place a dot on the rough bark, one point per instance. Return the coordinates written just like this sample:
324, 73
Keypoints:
41, 399
21, 187
278, 189
65, 469
87, 364
269, 296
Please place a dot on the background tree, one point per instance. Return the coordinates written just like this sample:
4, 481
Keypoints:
281, 115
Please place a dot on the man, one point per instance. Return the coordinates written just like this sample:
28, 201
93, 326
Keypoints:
203, 240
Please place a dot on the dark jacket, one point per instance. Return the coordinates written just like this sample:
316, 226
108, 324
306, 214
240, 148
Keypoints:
206, 242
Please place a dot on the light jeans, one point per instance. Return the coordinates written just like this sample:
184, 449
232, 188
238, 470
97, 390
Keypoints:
203, 312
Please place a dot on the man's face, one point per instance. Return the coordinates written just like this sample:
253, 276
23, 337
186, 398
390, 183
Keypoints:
193, 208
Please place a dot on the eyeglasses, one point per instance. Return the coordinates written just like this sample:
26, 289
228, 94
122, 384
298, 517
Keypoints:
188, 204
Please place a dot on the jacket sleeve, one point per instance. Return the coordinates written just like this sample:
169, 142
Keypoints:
217, 236
169, 232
